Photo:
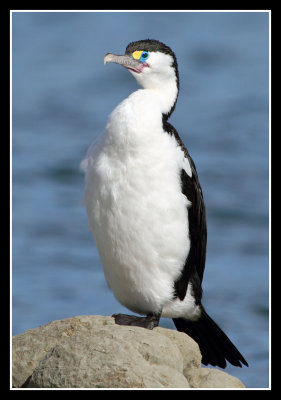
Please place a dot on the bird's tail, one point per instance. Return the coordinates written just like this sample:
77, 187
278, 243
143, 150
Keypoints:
216, 348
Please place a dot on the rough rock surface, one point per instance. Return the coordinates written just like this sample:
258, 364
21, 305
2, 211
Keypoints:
94, 352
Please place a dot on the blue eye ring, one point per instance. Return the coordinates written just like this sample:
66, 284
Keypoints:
144, 56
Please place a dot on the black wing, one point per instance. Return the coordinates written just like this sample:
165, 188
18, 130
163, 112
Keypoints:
194, 266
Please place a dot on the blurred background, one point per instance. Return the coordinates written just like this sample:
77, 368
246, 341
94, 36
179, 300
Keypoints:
62, 95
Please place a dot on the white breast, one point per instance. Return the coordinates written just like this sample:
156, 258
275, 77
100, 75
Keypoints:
137, 212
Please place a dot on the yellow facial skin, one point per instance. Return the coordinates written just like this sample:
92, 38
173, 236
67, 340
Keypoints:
137, 54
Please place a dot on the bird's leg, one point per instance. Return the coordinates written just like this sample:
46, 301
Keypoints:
148, 322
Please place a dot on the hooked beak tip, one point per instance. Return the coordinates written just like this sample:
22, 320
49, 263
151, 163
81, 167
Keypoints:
107, 58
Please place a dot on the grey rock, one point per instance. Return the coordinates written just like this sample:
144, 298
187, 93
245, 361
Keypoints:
94, 352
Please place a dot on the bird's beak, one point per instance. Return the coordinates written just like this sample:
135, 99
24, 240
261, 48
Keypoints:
126, 61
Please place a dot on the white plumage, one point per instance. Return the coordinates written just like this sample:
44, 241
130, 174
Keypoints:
137, 212
145, 207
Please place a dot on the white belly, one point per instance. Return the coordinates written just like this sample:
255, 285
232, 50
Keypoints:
137, 212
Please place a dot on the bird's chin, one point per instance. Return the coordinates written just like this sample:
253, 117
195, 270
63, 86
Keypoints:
137, 70
133, 70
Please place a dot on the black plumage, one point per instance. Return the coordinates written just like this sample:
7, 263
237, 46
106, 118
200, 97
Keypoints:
214, 345
216, 348
193, 269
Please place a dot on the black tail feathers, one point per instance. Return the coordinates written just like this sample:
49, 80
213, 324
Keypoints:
215, 346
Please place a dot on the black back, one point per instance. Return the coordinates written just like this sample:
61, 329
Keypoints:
194, 266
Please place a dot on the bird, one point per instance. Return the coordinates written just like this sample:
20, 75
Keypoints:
146, 209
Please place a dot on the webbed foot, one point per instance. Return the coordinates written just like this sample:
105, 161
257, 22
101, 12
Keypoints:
148, 322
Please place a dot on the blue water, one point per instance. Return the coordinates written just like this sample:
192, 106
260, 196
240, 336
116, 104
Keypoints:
62, 95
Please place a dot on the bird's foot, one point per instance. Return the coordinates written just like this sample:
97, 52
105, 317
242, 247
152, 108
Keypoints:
148, 322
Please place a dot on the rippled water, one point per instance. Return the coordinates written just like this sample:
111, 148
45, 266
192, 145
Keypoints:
62, 95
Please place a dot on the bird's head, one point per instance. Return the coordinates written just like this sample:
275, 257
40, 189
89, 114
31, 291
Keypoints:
154, 66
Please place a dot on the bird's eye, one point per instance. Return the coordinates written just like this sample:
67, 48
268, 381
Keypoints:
144, 56
140, 55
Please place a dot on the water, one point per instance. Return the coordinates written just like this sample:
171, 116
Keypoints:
62, 95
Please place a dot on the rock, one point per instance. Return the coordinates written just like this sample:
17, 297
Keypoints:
212, 378
94, 352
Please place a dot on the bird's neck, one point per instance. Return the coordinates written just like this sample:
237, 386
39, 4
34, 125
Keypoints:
166, 91
168, 95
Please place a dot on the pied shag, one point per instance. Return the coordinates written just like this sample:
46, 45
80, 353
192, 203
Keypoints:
145, 207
